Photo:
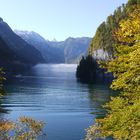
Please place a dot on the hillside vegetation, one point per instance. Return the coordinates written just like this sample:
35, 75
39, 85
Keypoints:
103, 38
122, 121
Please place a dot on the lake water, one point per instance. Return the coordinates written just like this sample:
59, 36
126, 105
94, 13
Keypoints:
51, 93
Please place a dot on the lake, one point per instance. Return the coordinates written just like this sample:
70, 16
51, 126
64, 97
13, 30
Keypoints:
51, 93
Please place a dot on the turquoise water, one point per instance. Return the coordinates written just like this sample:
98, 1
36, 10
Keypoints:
51, 93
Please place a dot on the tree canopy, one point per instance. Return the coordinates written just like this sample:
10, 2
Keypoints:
123, 119
103, 38
86, 70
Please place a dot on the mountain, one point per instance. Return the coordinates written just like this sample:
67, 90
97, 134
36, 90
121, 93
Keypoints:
73, 48
68, 51
49, 53
15, 53
102, 44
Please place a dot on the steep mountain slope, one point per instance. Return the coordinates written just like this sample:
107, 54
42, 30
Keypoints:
15, 53
49, 53
68, 51
102, 44
18, 45
73, 48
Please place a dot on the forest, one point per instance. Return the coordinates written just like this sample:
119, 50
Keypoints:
120, 36
71, 95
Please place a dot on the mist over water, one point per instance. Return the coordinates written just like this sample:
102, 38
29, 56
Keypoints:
51, 93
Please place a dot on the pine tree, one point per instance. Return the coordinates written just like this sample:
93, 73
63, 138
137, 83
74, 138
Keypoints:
123, 119
103, 38
86, 70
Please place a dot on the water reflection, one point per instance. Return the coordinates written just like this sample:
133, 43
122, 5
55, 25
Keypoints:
3, 110
51, 93
99, 94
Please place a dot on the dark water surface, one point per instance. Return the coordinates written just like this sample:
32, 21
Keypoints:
52, 94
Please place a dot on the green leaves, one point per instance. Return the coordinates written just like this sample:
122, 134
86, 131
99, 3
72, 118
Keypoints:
104, 38
24, 129
123, 119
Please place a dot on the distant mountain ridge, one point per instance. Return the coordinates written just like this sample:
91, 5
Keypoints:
15, 53
73, 48
68, 51
20, 50
49, 53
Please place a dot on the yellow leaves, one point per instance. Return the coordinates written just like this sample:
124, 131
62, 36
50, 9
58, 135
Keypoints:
24, 128
123, 119
6, 126
123, 122
34, 125
126, 65
127, 69
129, 29
24, 136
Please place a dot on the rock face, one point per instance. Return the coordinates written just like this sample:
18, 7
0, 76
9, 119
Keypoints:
21, 50
100, 54
49, 53
15, 53
73, 48
68, 51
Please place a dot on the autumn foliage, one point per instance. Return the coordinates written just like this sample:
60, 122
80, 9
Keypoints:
123, 119
24, 129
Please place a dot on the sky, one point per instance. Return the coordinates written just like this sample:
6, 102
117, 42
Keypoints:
57, 19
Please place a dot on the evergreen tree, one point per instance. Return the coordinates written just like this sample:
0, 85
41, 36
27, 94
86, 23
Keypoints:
86, 70
103, 38
123, 119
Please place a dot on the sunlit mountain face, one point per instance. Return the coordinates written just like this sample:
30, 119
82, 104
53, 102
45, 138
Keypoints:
67, 51
15, 53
